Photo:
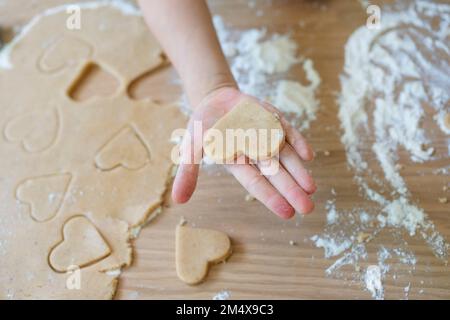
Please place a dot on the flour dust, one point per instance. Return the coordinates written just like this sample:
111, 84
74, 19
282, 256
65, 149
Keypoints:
261, 62
393, 79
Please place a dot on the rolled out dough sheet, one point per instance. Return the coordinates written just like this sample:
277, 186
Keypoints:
75, 176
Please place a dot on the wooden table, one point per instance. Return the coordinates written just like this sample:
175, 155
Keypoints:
264, 265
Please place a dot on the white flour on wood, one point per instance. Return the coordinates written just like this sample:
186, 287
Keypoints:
260, 63
372, 279
393, 78
222, 295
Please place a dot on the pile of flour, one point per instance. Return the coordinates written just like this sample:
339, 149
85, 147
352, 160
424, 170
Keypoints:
393, 78
260, 63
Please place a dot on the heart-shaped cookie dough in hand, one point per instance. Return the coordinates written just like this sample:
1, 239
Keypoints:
247, 129
82, 246
196, 250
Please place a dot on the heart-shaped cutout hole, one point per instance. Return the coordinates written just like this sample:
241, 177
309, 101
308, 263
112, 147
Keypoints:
82, 245
93, 82
157, 85
248, 129
126, 149
197, 249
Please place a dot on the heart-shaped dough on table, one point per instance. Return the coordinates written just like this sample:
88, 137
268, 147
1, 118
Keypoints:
126, 149
82, 245
197, 249
247, 129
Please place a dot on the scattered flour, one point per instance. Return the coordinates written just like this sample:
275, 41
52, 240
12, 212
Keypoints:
222, 295
390, 77
133, 295
332, 215
406, 290
393, 78
401, 214
260, 62
372, 279
382, 255
114, 272
54, 197
332, 246
394, 68
352, 257
275, 55
289, 95
364, 217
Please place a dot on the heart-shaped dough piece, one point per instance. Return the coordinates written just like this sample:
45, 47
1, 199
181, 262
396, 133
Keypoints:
36, 131
44, 195
125, 149
247, 129
197, 249
82, 245
64, 52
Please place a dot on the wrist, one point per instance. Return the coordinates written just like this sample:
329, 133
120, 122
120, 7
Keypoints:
209, 86
226, 94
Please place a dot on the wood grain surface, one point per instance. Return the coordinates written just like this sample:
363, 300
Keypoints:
264, 265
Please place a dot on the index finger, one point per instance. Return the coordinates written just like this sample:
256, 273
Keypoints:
190, 157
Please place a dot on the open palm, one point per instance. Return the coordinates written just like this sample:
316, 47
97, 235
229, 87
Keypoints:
283, 193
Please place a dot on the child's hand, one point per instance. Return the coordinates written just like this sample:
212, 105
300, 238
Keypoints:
185, 31
283, 193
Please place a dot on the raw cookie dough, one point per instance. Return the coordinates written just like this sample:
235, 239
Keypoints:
260, 134
77, 175
78, 234
197, 249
